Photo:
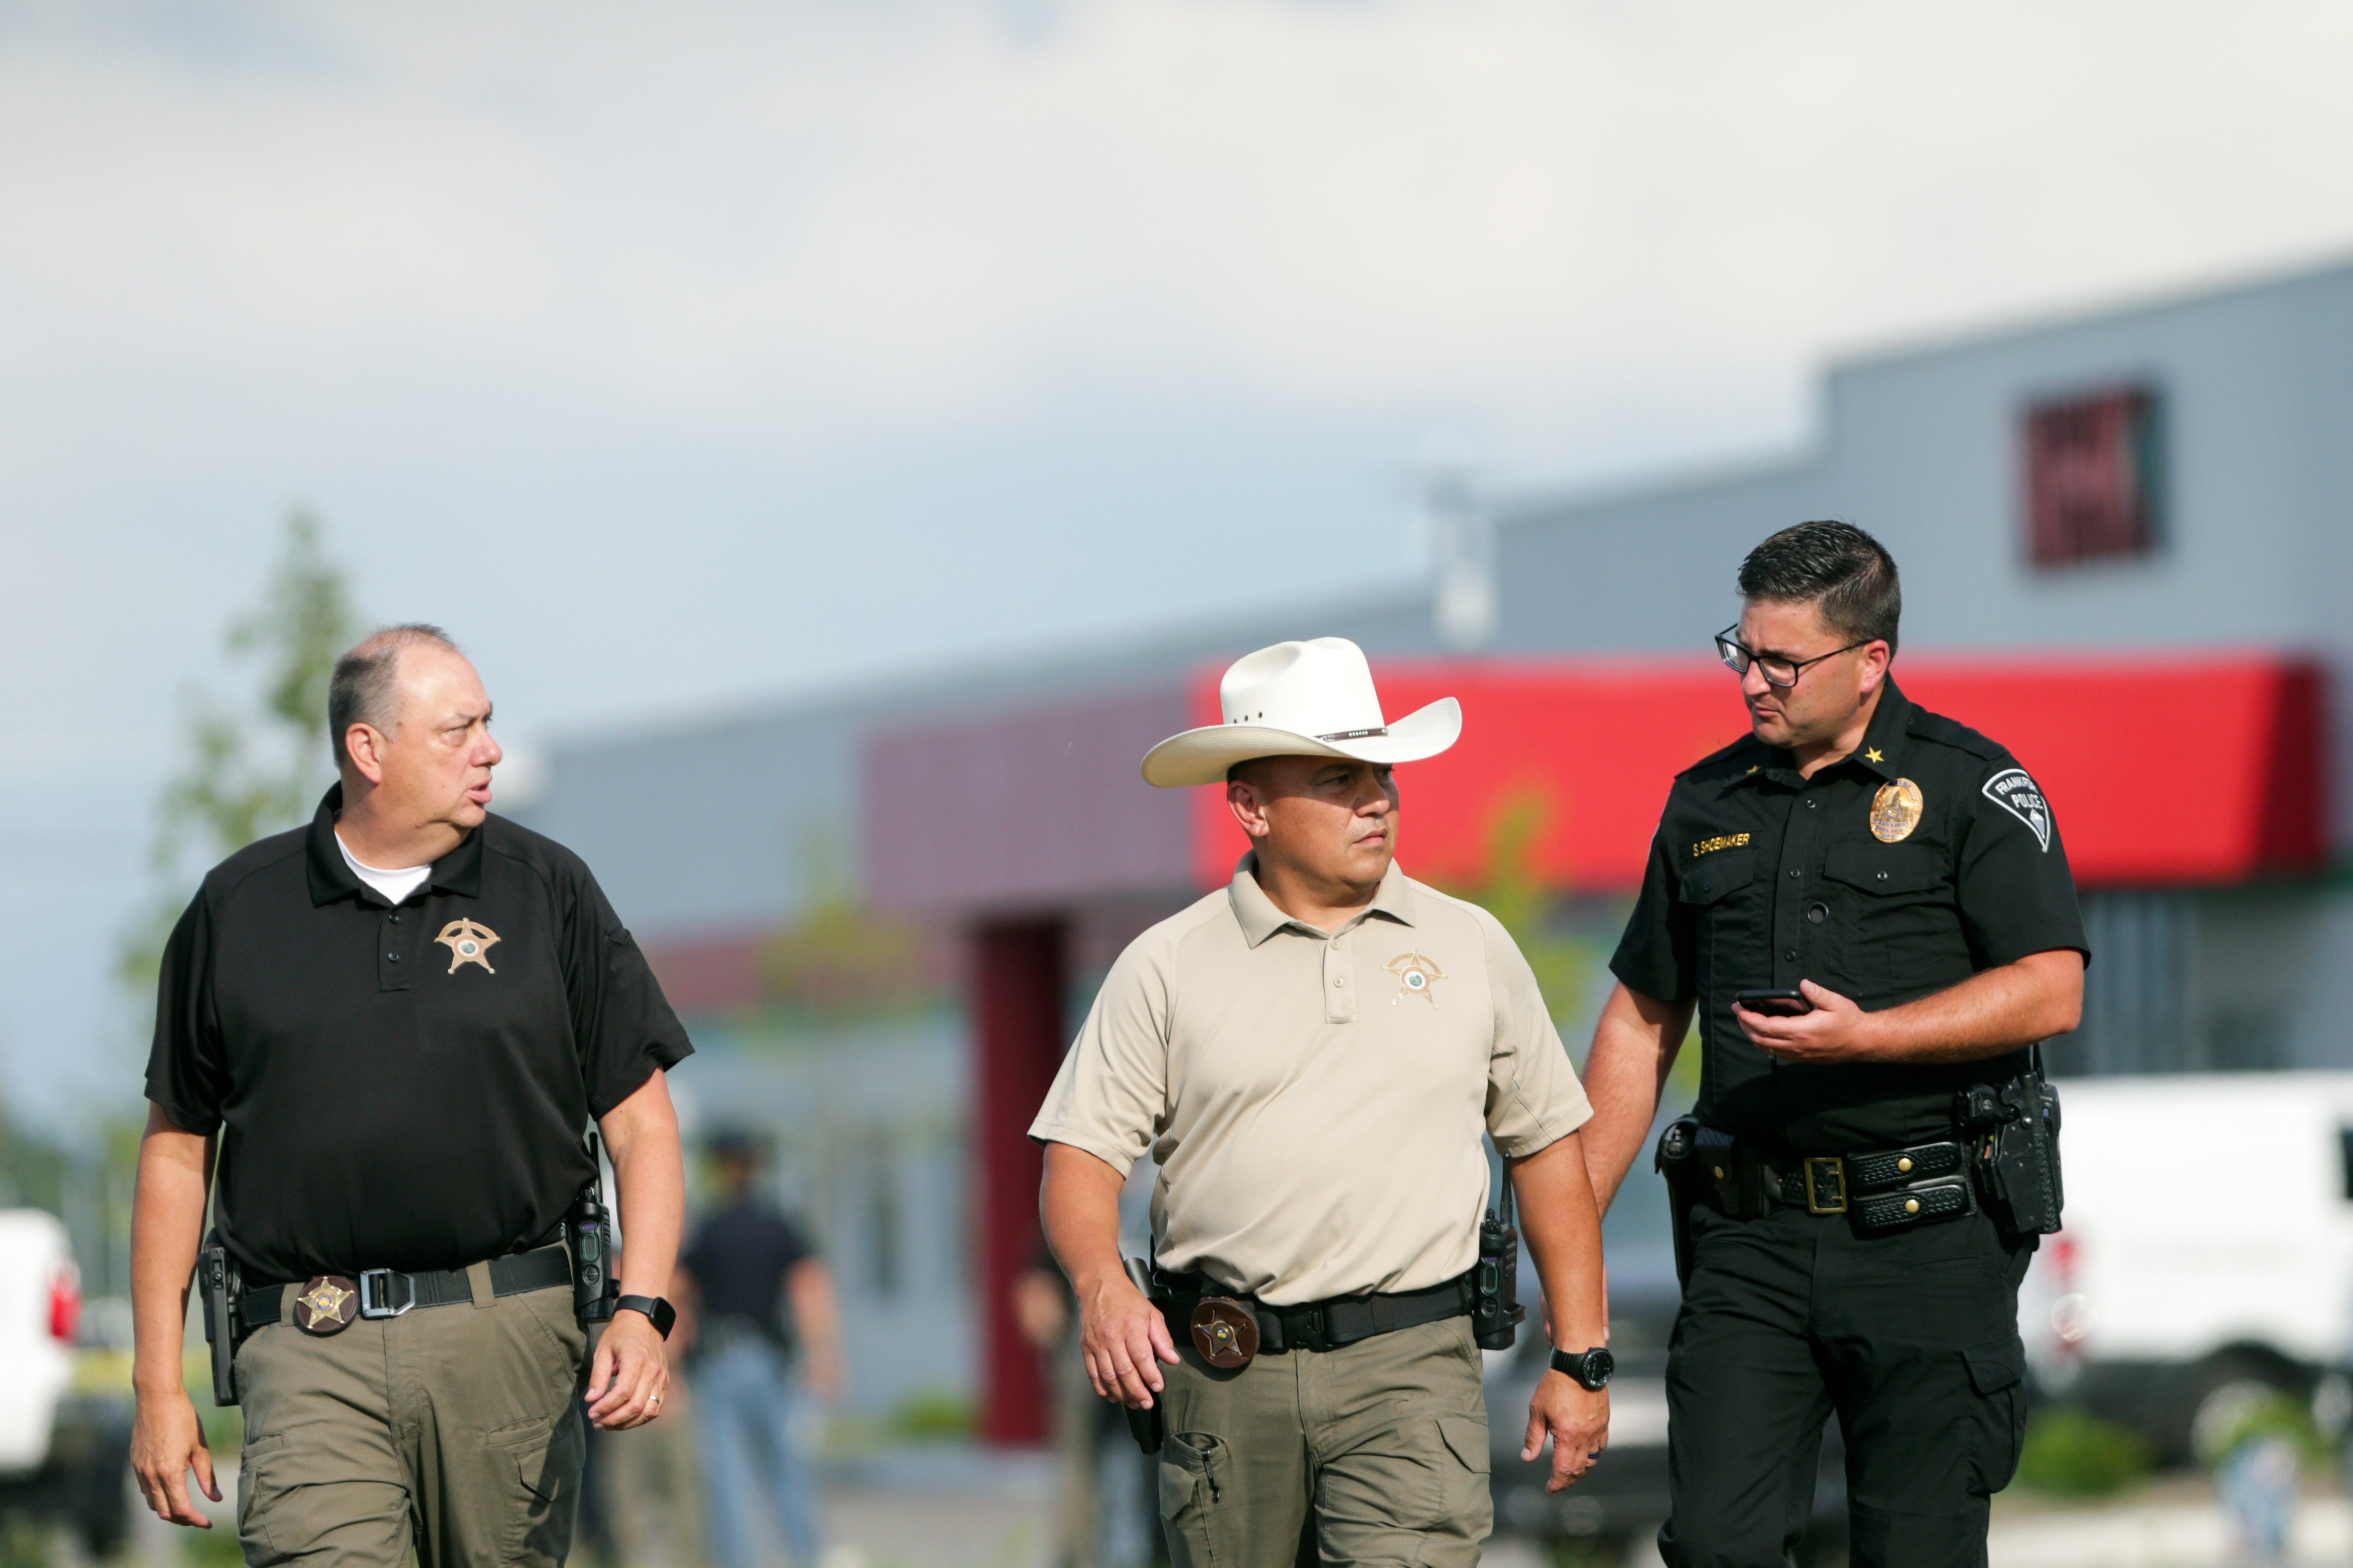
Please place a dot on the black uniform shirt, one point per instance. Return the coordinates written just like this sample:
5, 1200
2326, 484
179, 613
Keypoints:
400, 1087
740, 1257
1759, 878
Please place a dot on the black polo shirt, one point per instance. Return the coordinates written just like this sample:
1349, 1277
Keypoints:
1759, 878
740, 1259
400, 1087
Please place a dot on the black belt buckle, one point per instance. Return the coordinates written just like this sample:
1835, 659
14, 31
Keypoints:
376, 1293
1825, 1196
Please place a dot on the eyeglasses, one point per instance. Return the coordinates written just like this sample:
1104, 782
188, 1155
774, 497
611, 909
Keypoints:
1777, 671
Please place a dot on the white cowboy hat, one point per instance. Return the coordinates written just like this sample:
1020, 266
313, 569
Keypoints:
1309, 698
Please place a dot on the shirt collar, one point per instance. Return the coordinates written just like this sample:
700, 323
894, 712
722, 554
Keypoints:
1882, 751
1259, 919
459, 871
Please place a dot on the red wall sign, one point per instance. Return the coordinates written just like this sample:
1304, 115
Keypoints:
2163, 770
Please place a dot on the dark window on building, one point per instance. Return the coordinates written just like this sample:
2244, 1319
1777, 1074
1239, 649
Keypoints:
2092, 473
2345, 1146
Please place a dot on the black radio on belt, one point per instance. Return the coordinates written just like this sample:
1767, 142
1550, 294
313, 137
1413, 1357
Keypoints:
1495, 1310
589, 1231
220, 1283
2015, 1150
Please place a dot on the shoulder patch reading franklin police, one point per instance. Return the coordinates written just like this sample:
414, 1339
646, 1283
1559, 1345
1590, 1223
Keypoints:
2018, 794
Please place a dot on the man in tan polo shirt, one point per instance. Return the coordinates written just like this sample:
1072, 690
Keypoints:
1312, 1054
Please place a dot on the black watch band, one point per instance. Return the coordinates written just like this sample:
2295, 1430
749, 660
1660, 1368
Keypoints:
1591, 1368
663, 1314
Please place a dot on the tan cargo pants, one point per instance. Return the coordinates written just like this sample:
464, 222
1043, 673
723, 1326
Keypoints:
454, 1431
1385, 1440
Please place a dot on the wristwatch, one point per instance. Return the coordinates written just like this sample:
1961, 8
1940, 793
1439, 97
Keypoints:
1591, 1368
665, 1315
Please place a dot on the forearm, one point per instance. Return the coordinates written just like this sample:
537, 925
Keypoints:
167, 1218
1634, 1047
1078, 1205
1561, 1226
642, 1133
2000, 1010
816, 1310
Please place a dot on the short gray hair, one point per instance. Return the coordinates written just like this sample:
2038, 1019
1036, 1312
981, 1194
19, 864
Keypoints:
361, 690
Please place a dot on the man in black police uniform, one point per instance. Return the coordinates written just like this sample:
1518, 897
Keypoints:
1846, 1250
398, 1022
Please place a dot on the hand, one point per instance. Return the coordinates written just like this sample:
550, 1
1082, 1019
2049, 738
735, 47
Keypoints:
167, 1441
1124, 1338
825, 1374
630, 1374
1835, 1031
1577, 1419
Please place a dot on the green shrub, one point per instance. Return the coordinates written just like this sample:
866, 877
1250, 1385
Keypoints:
2072, 1453
938, 1414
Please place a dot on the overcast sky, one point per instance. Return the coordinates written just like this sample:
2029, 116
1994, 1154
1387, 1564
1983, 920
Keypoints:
673, 354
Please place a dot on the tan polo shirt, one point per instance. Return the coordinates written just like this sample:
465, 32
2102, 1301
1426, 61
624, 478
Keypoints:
1314, 1100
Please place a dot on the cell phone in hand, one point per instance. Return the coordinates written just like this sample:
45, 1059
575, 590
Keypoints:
1773, 1004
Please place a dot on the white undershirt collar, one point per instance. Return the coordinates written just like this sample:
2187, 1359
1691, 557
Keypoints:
395, 886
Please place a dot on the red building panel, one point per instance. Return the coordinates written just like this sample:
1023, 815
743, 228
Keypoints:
2163, 770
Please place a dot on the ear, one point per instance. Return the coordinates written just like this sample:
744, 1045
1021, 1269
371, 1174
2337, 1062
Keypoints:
1243, 801
364, 744
1872, 669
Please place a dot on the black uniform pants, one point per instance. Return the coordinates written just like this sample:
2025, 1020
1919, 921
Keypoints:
1910, 1339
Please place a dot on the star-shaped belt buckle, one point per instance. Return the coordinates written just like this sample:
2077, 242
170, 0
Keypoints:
1225, 1333
327, 1304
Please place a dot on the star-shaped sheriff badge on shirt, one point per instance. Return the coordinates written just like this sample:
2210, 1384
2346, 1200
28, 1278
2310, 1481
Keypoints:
468, 941
1416, 975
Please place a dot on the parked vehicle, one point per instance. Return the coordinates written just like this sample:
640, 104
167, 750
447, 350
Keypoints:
63, 1455
2207, 1247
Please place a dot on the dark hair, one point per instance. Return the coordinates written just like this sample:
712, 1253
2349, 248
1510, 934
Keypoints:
360, 691
1837, 566
1249, 771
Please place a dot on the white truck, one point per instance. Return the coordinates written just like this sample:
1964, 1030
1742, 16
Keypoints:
63, 1455
2208, 1246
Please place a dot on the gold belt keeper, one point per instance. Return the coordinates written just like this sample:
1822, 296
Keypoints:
1816, 1167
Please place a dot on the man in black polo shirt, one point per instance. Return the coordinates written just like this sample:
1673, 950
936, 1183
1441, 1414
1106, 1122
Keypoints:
1847, 1250
397, 1024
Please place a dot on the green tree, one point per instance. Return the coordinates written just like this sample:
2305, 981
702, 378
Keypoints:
253, 767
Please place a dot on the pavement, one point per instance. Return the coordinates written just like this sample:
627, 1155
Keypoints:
947, 1505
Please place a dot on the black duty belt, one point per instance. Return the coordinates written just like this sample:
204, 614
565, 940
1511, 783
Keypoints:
1879, 1189
1884, 1189
388, 1292
1315, 1325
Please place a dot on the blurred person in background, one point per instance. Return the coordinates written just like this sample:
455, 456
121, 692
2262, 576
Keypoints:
746, 1264
1313, 1055
642, 1502
1091, 1439
1869, 910
401, 1140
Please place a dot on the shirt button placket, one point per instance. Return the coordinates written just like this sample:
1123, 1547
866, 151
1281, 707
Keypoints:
1339, 984
392, 951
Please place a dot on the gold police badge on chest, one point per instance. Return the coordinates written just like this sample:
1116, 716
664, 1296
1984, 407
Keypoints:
1895, 811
